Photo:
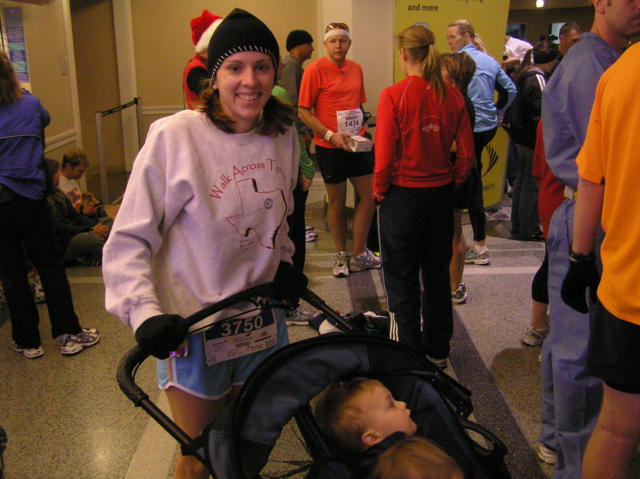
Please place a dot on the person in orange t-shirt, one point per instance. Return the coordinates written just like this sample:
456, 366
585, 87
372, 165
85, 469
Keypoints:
330, 103
608, 193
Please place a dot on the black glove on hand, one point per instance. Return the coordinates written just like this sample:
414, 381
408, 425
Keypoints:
289, 284
159, 335
581, 275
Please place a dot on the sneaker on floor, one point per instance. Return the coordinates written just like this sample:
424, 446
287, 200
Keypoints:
459, 296
366, 260
326, 327
441, 363
30, 353
297, 317
477, 256
308, 228
534, 337
74, 343
310, 236
546, 454
341, 265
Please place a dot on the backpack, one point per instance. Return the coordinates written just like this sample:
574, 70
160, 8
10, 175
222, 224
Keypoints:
516, 122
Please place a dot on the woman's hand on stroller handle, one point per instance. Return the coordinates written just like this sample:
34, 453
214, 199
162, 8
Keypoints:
289, 284
161, 334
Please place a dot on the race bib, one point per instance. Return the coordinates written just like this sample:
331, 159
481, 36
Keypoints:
349, 121
235, 337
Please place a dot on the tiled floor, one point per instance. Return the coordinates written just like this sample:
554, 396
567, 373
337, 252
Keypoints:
65, 416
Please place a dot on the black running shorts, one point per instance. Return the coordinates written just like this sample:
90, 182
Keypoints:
614, 355
337, 165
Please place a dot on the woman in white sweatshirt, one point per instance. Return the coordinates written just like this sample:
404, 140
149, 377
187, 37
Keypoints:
204, 217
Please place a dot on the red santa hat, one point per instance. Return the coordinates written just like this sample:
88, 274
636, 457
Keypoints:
202, 29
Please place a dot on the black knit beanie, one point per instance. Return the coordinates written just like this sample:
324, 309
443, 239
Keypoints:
241, 32
298, 37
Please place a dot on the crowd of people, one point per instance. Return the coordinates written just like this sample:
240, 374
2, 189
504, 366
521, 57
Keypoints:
222, 186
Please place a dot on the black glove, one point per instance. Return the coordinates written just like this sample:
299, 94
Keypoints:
159, 335
582, 274
289, 284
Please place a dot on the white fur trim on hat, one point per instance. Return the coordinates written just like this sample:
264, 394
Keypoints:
337, 31
203, 43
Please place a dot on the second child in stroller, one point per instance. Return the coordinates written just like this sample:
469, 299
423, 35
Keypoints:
416, 458
362, 419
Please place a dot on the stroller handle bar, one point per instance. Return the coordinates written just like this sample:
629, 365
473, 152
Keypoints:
136, 355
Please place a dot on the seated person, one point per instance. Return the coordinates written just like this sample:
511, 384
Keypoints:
361, 413
416, 458
74, 165
80, 237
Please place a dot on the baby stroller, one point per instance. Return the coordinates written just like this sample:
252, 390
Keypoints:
244, 439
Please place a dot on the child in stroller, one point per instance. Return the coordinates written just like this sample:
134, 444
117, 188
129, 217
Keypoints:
363, 419
416, 458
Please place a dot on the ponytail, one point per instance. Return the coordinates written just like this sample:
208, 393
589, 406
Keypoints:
419, 43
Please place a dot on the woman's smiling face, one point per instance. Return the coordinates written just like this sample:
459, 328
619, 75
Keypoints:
244, 81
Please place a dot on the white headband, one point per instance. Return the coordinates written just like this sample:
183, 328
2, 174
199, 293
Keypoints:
337, 31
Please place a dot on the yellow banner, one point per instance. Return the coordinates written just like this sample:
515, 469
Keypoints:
489, 20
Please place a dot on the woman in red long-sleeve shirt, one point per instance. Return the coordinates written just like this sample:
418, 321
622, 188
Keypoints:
418, 119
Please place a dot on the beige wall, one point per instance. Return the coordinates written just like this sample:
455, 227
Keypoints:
162, 38
538, 20
45, 46
97, 72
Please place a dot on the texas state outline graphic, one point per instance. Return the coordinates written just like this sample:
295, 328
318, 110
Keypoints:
254, 208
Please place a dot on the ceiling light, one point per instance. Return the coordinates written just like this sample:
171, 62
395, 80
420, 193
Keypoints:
539, 3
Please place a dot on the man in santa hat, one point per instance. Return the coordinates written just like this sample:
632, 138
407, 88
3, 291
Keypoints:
195, 72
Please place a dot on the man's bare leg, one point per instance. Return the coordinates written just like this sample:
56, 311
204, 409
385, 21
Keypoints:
363, 212
615, 437
337, 197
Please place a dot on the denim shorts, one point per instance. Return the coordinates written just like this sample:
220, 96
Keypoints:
193, 376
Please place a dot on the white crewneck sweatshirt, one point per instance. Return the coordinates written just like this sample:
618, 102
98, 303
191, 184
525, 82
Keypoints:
203, 217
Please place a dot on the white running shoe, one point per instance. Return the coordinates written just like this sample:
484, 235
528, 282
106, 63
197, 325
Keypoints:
366, 260
476, 255
29, 353
74, 343
341, 265
546, 454
460, 295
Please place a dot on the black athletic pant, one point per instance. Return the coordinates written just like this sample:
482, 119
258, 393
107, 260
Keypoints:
416, 230
25, 223
476, 201
297, 227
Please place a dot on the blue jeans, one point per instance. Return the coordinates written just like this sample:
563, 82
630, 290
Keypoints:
416, 230
83, 245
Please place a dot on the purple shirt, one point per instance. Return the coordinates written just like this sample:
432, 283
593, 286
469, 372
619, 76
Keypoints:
567, 100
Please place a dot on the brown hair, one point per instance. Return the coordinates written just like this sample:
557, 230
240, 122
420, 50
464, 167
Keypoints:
567, 27
74, 157
419, 43
416, 458
460, 67
52, 165
339, 418
276, 116
10, 90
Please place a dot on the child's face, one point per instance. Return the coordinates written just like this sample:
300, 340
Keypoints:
384, 415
